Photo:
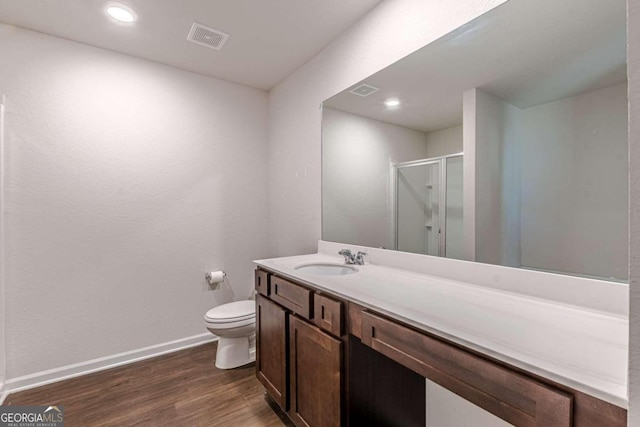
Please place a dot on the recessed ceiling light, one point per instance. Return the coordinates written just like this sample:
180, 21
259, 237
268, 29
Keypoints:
121, 13
392, 102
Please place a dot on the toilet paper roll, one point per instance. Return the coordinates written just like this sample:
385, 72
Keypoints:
214, 277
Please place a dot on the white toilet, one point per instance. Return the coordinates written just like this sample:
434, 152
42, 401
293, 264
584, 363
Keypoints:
235, 326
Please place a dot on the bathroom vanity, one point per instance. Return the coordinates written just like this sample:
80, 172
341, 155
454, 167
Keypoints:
504, 144
357, 348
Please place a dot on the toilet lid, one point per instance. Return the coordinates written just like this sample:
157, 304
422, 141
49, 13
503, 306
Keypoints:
233, 311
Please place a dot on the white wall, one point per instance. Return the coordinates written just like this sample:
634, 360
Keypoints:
444, 141
550, 183
3, 360
446, 409
356, 152
455, 208
574, 184
126, 181
633, 60
469, 112
294, 105
495, 177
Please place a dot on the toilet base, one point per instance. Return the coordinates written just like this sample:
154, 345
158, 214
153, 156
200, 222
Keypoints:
235, 352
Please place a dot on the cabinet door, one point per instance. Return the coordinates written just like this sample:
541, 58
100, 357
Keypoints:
315, 375
271, 351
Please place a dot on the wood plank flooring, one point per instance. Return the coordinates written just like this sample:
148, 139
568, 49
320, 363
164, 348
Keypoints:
177, 389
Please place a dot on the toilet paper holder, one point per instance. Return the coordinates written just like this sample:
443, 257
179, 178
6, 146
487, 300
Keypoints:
214, 277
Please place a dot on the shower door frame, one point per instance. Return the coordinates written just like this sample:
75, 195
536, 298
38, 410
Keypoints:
442, 197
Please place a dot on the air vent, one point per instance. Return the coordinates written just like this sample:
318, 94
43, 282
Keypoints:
208, 37
363, 90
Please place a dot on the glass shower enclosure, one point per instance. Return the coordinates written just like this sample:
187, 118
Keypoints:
428, 206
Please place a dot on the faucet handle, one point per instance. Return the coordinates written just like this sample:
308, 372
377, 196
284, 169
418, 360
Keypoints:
348, 256
360, 257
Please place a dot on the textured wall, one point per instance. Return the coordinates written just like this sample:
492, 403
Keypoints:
3, 352
633, 60
389, 32
126, 180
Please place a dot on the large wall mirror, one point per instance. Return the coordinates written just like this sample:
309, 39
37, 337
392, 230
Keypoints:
503, 142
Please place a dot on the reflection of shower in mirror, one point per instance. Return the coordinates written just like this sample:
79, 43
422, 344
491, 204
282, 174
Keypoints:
427, 206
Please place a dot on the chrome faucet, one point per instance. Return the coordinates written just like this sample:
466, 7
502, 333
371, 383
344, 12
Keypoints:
350, 258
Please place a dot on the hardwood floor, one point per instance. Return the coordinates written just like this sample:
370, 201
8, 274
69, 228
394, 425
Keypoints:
178, 389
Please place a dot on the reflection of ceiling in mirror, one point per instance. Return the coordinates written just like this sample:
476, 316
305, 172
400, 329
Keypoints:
524, 52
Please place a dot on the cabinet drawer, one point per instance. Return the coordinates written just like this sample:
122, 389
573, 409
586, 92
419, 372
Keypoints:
327, 314
514, 397
262, 282
292, 296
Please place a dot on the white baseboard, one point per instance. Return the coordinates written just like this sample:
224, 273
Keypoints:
77, 369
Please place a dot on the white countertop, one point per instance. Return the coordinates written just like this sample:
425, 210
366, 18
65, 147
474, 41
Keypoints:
584, 349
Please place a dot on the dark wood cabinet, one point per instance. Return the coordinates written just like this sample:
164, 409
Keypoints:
299, 363
331, 362
315, 375
271, 349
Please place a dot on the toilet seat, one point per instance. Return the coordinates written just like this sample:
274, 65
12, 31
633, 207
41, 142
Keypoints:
234, 314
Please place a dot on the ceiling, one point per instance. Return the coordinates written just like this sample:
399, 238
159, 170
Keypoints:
268, 39
524, 52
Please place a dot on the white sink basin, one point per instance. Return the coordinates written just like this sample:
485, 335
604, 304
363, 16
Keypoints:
326, 269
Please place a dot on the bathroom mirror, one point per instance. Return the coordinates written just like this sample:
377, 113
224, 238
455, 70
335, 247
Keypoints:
503, 142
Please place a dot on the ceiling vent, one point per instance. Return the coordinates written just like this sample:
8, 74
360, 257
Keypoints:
363, 90
208, 37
